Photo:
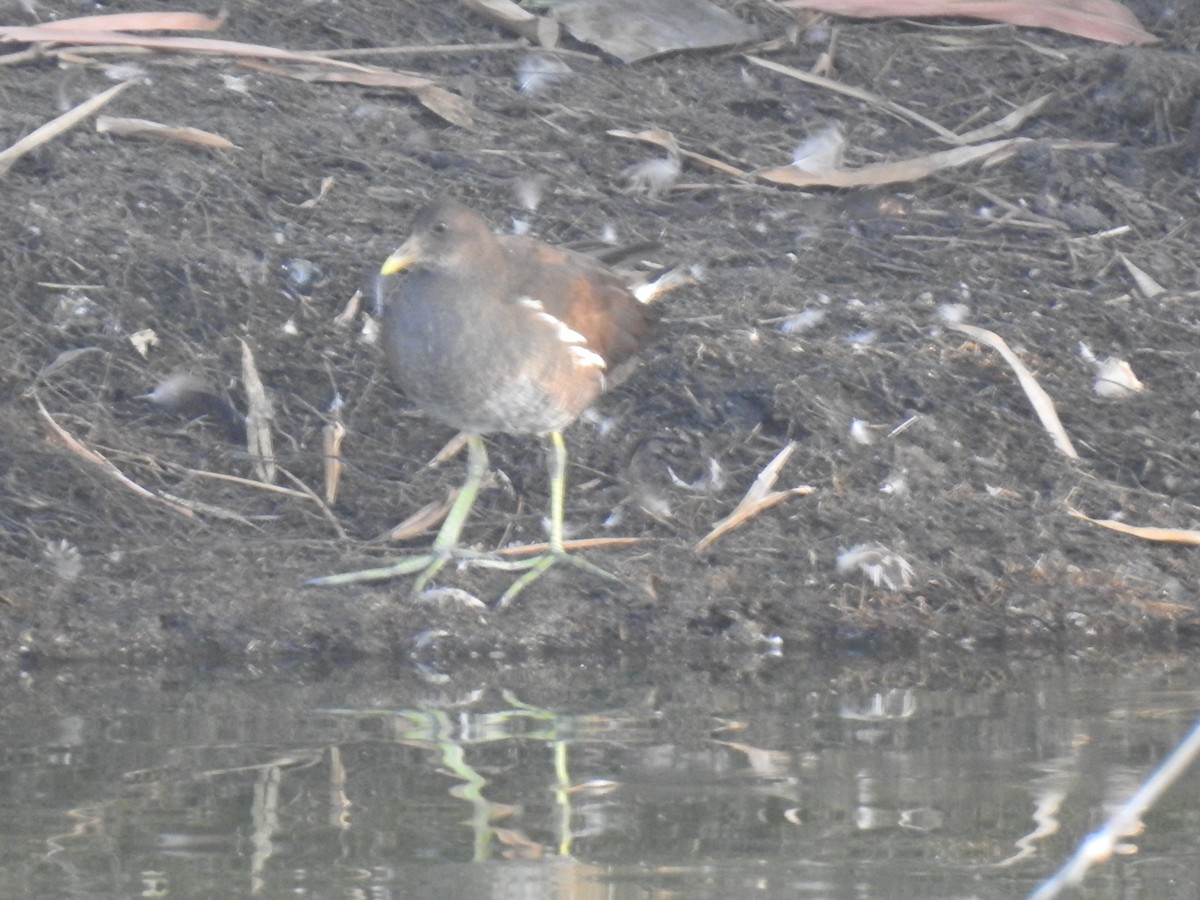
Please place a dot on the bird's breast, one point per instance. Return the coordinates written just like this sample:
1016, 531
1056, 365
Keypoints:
484, 363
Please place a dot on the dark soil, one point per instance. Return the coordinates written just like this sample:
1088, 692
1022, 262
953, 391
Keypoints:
104, 237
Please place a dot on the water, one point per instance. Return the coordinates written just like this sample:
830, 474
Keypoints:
796, 779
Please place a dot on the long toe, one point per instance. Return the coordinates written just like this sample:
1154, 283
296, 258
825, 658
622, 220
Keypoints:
395, 569
539, 565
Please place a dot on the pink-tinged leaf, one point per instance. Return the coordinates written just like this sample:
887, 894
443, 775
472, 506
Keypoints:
147, 21
1098, 20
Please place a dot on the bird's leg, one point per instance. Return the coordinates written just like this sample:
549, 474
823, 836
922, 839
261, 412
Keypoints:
445, 545
557, 553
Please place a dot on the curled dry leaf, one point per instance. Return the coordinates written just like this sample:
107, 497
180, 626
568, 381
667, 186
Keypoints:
331, 440
259, 443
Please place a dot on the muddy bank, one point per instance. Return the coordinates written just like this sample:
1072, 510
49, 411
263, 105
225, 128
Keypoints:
948, 468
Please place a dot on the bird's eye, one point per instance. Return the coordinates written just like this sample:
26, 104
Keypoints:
439, 228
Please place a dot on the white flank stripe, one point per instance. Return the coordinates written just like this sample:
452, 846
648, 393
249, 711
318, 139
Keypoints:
575, 341
586, 357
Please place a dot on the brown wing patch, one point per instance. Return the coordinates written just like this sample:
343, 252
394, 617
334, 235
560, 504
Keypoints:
581, 292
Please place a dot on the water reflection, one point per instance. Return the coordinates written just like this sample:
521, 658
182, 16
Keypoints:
798, 780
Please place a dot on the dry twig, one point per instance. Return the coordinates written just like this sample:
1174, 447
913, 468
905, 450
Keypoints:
107, 467
55, 127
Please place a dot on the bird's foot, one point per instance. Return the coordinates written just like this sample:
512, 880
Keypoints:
427, 564
534, 567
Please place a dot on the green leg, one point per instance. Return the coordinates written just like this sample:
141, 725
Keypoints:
539, 564
445, 545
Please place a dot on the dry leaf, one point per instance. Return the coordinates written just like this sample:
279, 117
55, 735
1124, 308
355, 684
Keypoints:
326, 184
331, 442
144, 128
1099, 20
1012, 121
632, 30
1042, 404
888, 172
760, 497
350, 311
259, 443
449, 450
423, 519
436, 99
143, 21
505, 13
1148, 533
449, 106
